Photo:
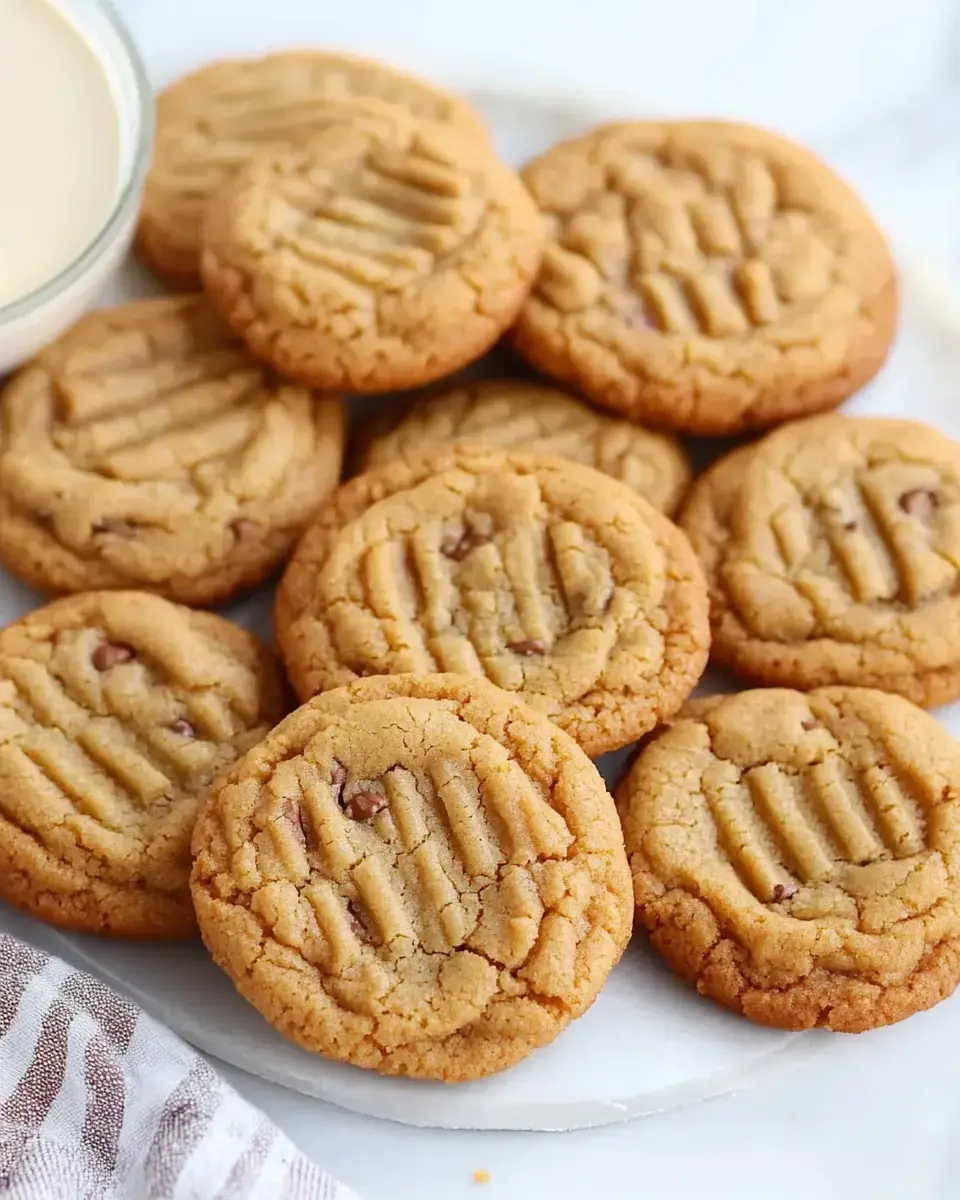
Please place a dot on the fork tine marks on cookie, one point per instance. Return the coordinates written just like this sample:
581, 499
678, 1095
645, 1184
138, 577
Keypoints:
897, 823
476, 843
741, 832
840, 804
777, 797
392, 590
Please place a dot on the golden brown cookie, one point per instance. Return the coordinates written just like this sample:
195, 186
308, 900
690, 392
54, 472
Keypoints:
385, 254
537, 419
544, 576
117, 710
415, 874
212, 121
831, 548
146, 448
797, 856
705, 276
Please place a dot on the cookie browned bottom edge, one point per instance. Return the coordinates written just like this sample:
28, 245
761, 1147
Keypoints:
90, 906
459, 1058
179, 268
320, 360
754, 664
692, 942
708, 403
36, 558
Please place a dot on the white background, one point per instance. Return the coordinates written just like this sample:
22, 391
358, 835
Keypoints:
873, 84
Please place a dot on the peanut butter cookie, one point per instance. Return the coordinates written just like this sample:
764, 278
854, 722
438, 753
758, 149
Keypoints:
797, 856
417, 875
146, 448
117, 710
385, 254
544, 576
705, 276
214, 120
831, 548
538, 419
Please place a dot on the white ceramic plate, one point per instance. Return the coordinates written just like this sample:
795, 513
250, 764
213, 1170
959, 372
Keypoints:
648, 1043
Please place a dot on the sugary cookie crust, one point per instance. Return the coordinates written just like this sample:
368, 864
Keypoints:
146, 448
542, 575
705, 276
416, 875
385, 254
212, 121
831, 548
538, 420
797, 857
117, 710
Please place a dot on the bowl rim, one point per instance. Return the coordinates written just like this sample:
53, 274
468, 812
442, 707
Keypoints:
25, 305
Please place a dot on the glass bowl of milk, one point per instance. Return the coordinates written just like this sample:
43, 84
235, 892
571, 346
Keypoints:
76, 129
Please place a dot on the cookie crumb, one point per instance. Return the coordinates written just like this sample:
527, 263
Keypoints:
481, 1176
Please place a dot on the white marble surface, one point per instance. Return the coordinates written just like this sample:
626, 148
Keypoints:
875, 84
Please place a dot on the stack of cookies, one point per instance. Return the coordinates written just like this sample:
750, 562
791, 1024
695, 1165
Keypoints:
420, 870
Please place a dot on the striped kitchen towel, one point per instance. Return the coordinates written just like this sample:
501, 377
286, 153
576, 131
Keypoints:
99, 1102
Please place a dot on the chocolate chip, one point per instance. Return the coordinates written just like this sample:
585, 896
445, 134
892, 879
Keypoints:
459, 546
783, 891
920, 503
182, 726
117, 527
111, 654
809, 723
364, 805
299, 822
528, 648
850, 526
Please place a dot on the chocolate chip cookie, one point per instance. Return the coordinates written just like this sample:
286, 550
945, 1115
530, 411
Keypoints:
117, 710
797, 856
385, 254
146, 448
416, 875
212, 121
534, 418
705, 276
541, 575
831, 548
